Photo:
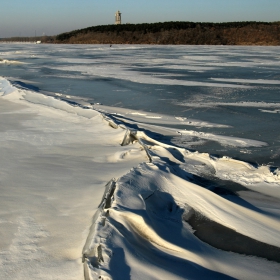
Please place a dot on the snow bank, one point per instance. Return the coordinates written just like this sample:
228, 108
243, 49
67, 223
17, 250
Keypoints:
144, 232
55, 159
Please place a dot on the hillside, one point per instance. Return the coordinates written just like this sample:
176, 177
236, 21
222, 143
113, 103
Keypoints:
188, 33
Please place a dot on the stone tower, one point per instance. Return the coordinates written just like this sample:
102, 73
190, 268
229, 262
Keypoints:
118, 18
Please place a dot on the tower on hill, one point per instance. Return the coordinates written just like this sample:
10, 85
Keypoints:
118, 17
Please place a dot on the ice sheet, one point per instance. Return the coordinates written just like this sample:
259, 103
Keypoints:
122, 73
56, 159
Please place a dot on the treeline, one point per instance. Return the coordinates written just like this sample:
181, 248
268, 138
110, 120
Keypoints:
45, 39
188, 33
159, 27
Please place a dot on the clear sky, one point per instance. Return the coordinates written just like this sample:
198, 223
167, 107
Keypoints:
25, 17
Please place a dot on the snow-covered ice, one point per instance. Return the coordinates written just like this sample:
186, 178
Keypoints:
96, 186
56, 160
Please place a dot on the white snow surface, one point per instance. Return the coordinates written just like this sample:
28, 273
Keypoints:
56, 160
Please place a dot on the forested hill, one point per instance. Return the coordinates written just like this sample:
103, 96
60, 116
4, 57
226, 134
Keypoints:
188, 33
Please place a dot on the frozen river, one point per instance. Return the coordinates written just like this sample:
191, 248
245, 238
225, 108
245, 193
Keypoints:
191, 154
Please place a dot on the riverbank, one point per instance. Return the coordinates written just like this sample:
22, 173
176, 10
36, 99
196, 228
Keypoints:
169, 33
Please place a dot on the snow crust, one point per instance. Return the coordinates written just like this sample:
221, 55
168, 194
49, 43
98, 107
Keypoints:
55, 161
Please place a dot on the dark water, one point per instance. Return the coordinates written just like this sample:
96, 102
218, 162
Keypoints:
234, 86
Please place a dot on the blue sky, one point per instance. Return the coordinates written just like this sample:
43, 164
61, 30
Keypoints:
25, 17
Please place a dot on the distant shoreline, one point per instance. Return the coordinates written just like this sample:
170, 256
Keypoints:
170, 33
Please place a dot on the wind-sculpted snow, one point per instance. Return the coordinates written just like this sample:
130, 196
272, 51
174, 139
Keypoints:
54, 159
5, 87
144, 231
6, 61
161, 194
165, 213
